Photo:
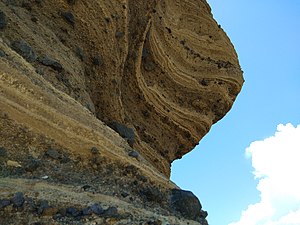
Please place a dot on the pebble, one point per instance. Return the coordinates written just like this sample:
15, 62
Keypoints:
31, 204
52, 153
47, 61
43, 205
111, 211
186, 203
25, 50
124, 194
65, 159
80, 53
71, 2
2, 53
32, 165
13, 163
69, 17
133, 154
87, 211
97, 61
4, 203
39, 71
124, 131
45, 177
152, 194
119, 34
3, 21
3, 152
94, 150
50, 211
156, 222
72, 211
18, 200
97, 209
86, 187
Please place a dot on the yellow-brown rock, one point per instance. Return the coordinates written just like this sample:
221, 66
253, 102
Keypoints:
160, 73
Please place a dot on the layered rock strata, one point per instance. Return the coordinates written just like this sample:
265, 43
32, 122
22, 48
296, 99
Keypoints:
98, 98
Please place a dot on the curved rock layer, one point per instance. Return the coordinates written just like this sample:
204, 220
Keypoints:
164, 69
187, 76
108, 94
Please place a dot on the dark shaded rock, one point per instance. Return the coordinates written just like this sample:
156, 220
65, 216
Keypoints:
71, 2
97, 61
86, 187
25, 50
119, 34
69, 17
43, 206
124, 131
57, 216
111, 211
124, 194
31, 204
2, 53
94, 150
18, 200
97, 209
72, 211
4, 203
204, 82
19, 171
39, 71
39, 2
3, 152
47, 61
133, 154
203, 214
155, 222
61, 77
37, 223
187, 204
65, 158
80, 53
26, 5
3, 21
146, 113
152, 194
87, 211
203, 221
32, 164
34, 19
62, 212
52, 153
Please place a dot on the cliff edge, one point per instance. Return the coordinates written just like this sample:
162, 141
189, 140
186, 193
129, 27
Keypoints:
98, 98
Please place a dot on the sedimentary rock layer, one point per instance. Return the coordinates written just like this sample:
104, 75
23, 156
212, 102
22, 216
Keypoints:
108, 94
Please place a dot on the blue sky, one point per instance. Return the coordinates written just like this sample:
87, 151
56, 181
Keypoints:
266, 36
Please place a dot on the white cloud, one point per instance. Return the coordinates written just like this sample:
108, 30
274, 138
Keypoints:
276, 163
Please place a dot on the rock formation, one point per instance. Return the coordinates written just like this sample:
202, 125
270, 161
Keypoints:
98, 98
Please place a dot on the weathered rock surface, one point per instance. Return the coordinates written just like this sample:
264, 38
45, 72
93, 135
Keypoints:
97, 98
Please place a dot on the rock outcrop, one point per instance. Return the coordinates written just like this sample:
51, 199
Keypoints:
98, 98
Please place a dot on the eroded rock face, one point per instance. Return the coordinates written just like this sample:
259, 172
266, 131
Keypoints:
110, 89
167, 70
185, 78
